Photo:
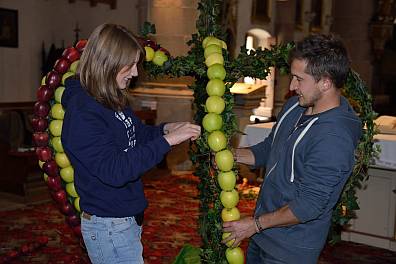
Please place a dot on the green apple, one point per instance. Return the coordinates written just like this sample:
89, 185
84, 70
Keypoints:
235, 255
159, 58
212, 121
55, 127
215, 104
71, 189
223, 44
226, 180
67, 174
229, 199
149, 53
57, 144
62, 160
45, 176
214, 58
73, 66
57, 111
217, 140
215, 87
210, 40
212, 49
230, 214
58, 94
231, 242
216, 71
77, 204
67, 75
224, 160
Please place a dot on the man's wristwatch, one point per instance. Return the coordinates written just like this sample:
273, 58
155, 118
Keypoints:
258, 225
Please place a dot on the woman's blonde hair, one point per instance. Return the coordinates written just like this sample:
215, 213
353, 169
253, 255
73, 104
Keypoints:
109, 49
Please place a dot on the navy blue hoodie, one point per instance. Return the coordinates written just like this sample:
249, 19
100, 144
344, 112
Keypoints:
307, 166
109, 152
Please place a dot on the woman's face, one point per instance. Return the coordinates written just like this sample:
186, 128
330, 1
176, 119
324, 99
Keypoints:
125, 75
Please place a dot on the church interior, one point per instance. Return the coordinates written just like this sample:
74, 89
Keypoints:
33, 35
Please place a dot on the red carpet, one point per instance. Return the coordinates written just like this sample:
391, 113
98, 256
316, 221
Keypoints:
170, 222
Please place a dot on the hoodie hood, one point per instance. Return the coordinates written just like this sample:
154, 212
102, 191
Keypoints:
72, 88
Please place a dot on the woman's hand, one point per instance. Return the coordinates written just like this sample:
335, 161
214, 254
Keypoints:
170, 127
182, 131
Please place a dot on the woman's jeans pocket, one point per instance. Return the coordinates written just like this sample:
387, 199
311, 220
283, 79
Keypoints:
112, 240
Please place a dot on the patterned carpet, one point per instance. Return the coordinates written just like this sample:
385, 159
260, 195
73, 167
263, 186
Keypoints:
170, 222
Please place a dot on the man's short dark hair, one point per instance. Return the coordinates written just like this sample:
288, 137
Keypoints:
326, 56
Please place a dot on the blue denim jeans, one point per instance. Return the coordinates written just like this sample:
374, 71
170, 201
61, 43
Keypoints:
112, 240
255, 255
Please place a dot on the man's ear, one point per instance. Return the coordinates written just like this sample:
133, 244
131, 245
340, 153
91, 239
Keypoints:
325, 84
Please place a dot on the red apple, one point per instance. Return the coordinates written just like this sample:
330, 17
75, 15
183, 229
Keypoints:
44, 93
51, 168
77, 230
54, 183
44, 154
73, 220
80, 45
71, 54
40, 139
39, 124
67, 209
62, 65
151, 43
167, 53
60, 196
41, 109
53, 79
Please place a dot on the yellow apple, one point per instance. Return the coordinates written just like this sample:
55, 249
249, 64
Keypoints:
216, 71
67, 174
71, 189
58, 93
217, 140
45, 176
212, 121
43, 80
77, 204
229, 199
235, 255
149, 53
230, 214
66, 75
62, 160
41, 163
211, 41
55, 127
214, 58
226, 180
57, 111
215, 87
57, 144
73, 66
215, 104
224, 160
223, 44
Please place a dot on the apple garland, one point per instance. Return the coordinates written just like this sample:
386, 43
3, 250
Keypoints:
217, 140
47, 125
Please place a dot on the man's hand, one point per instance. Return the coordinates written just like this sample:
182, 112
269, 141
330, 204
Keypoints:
182, 132
239, 230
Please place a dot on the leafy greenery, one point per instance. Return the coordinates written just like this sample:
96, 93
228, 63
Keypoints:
255, 64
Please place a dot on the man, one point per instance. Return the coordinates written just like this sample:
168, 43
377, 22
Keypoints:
308, 156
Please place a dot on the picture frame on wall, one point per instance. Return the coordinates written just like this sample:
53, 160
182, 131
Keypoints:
8, 28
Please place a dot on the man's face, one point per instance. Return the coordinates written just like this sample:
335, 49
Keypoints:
303, 84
